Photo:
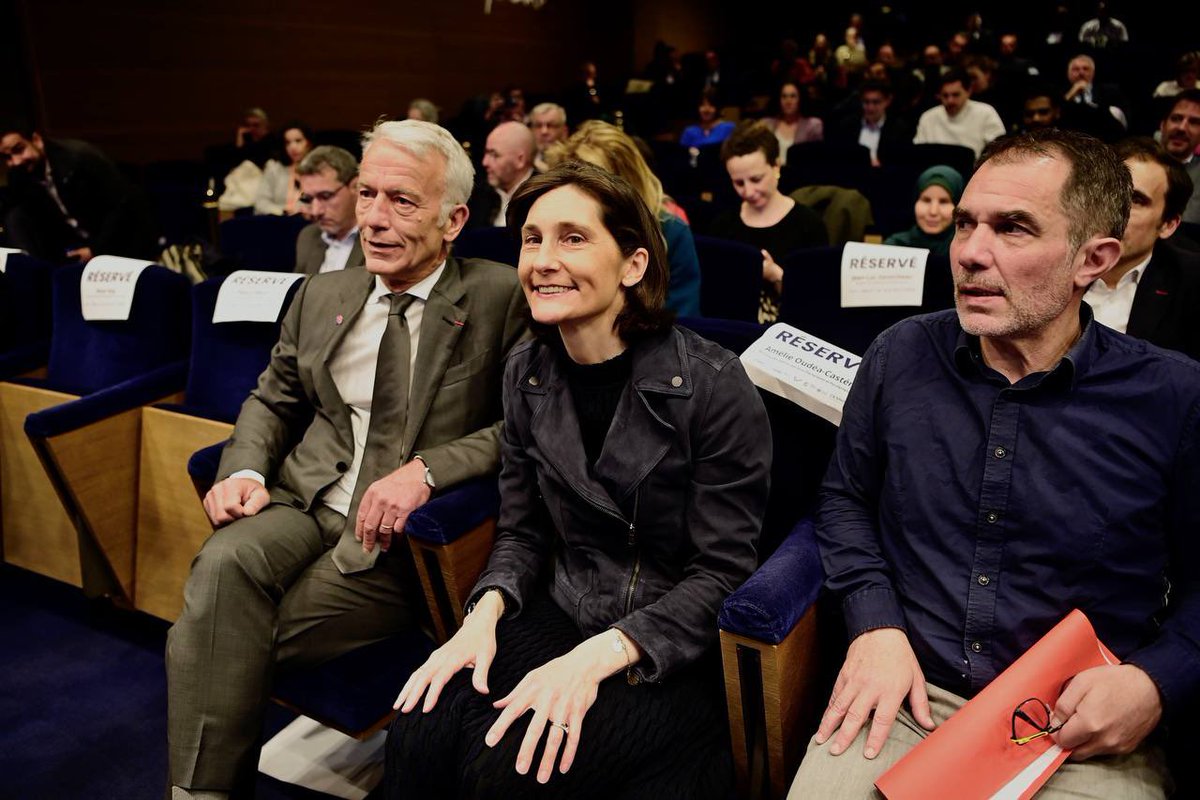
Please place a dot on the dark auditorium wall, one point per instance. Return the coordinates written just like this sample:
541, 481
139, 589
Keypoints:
147, 79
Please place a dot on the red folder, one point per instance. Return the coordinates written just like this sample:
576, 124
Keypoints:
971, 755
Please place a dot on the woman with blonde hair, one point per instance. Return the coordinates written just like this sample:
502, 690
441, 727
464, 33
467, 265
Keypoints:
608, 147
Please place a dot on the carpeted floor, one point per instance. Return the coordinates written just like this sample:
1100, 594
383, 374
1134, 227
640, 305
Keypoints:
83, 698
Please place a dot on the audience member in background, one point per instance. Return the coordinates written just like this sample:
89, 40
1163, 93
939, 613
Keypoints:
507, 163
1103, 31
711, 129
584, 99
791, 127
1014, 76
69, 202
1186, 72
279, 191
1180, 134
981, 72
824, 63
549, 124
608, 147
252, 141
629, 448
927, 73
423, 109
1040, 110
328, 178
851, 55
1153, 291
514, 105
957, 49
938, 190
767, 219
1058, 463
352, 426
874, 129
959, 119
1083, 89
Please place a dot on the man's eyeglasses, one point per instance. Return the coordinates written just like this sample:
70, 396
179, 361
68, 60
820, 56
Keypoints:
324, 197
1031, 720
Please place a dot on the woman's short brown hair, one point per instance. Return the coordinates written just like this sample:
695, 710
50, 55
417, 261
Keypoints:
751, 136
626, 217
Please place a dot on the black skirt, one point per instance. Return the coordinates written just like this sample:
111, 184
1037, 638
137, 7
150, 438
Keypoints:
660, 741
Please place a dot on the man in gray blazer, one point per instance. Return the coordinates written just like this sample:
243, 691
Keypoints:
328, 178
384, 387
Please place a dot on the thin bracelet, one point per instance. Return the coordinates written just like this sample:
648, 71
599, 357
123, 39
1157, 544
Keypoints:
620, 646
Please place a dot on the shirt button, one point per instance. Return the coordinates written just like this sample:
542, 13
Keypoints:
992, 516
1000, 452
677, 381
984, 580
533, 380
976, 647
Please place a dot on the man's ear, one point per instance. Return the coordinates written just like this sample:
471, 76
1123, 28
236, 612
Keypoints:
36, 141
1098, 255
1168, 227
454, 225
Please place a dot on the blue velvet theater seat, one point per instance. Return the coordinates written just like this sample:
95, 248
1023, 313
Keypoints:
226, 360
25, 315
262, 242
812, 302
730, 279
71, 437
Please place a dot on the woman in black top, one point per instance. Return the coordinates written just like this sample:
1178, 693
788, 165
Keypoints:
635, 472
767, 219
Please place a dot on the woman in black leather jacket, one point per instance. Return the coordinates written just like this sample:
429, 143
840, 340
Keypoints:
636, 461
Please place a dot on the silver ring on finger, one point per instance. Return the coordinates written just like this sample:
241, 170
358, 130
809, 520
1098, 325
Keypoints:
560, 725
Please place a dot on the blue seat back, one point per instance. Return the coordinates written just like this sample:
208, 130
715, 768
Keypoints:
812, 299
25, 310
490, 242
262, 242
227, 357
88, 356
730, 279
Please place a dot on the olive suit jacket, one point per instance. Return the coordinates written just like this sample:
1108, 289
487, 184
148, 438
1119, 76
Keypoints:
294, 428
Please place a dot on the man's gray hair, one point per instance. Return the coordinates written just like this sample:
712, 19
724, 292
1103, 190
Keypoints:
425, 108
337, 159
547, 108
419, 138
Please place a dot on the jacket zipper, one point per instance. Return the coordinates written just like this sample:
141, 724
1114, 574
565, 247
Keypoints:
630, 676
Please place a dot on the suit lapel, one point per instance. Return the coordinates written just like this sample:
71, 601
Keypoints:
346, 308
442, 322
1152, 301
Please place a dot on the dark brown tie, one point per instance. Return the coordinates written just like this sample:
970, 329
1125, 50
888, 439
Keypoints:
385, 446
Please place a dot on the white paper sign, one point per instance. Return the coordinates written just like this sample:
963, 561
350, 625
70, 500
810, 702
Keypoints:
4, 253
876, 275
107, 286
810, 372
308, 754
253, 296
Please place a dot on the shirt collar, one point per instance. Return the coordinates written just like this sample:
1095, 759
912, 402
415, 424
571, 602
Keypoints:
333, 241
968, 357
508, 195
420, 290
874, 126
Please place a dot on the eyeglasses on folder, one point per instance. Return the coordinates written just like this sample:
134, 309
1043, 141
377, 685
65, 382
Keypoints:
1031, 720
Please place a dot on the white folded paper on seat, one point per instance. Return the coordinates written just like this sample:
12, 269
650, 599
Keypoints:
875, 275
810, 372
107, 286
253, 296
4, 253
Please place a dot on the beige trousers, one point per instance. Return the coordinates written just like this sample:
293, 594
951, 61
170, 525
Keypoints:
1141, 775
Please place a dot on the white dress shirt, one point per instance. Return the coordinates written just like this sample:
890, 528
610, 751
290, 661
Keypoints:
868, 136
337, 251
1111, 307
501, 213
353, 371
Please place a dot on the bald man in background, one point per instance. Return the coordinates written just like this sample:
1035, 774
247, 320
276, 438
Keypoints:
508, 163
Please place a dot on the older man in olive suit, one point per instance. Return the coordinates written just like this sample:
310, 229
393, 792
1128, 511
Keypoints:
384, 387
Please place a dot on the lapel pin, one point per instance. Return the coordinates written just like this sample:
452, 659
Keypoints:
458, 323
1162, 292
338, 319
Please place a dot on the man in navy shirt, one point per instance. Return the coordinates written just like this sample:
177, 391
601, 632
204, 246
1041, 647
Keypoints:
1003, 464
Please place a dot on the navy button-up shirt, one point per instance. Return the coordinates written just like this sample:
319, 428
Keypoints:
975, 514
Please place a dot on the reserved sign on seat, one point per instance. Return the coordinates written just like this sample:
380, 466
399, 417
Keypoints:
875, 275
253, 296
4, 253
107, 285
810, 372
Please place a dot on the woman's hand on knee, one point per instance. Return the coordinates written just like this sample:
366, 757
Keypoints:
560, 693
474, 645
